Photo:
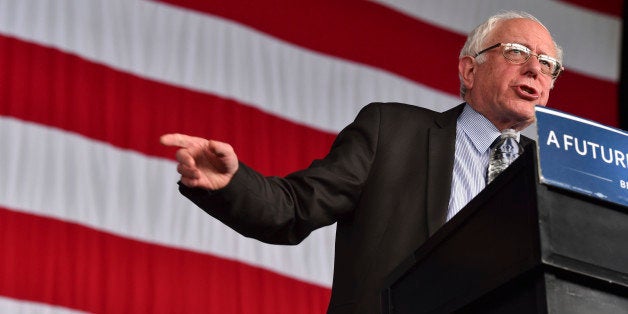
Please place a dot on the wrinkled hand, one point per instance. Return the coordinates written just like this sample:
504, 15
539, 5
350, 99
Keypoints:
203, 163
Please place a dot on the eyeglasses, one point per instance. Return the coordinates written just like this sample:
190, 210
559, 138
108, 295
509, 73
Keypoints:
520, 54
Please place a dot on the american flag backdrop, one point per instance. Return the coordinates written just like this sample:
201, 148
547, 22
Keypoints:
90, 216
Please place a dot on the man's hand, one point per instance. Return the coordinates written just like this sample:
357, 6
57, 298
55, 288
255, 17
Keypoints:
203, 163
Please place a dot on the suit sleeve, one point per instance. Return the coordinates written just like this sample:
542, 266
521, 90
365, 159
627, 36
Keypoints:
286, 210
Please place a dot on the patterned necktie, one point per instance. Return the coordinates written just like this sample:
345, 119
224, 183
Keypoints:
504, 150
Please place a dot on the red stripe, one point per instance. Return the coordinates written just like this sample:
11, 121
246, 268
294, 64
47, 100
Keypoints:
586, 97
371, 34
610, 7
60, 90
50, 261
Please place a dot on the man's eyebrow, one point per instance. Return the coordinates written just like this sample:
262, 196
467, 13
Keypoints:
522, 44
542, 52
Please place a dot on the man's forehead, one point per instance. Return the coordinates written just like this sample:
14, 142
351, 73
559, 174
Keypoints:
523, 31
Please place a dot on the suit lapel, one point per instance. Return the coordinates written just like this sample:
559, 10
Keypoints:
442, 143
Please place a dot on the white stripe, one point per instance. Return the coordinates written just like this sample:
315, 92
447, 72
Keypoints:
591, 40
126, 193
14, 306
209, 54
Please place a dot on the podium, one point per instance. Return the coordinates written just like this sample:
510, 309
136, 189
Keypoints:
519, 247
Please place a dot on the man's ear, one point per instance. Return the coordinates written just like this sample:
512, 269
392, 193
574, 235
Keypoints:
466, 70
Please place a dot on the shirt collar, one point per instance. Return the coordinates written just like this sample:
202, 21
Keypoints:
480, 130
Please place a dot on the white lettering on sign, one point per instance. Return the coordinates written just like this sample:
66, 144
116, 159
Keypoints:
587, 148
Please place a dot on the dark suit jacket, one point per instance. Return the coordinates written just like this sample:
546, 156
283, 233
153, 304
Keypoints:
386, 182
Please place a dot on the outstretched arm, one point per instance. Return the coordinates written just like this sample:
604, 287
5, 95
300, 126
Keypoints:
281, 210
203, 163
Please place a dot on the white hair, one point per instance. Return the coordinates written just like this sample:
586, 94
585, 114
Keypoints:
476, 39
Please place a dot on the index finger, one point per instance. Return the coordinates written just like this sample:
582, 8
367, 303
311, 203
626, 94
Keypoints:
179, 140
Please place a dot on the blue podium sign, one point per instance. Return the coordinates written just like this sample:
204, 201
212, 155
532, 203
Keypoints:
582, 156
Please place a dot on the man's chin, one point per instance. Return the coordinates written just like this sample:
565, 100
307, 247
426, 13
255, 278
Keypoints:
525, 111
523, 117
